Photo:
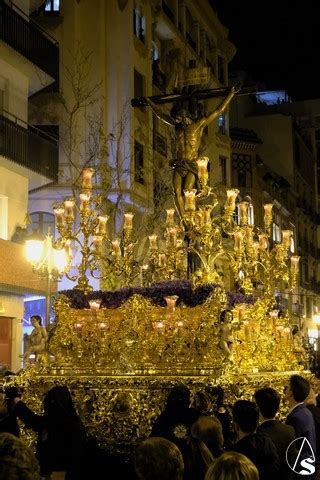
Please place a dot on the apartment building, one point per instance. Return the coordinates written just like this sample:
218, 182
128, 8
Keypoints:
29, 61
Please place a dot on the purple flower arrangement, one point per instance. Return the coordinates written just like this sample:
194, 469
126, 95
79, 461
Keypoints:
156, 293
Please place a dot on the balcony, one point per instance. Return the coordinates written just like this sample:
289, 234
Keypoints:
28, 147
26, 38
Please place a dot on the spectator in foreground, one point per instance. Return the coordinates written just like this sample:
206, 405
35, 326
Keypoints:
209, 430
158, 459
299, 416
257, 447
17, 461
268, 401
232, 466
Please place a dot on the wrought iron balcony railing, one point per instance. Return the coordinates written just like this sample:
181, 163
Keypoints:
29, 147
25, 37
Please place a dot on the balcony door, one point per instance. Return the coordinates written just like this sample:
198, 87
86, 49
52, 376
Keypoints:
5, 341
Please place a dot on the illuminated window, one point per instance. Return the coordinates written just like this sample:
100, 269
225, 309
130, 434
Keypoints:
138, 163
139, 23
250, 215
222, 124
276, 228
52, 6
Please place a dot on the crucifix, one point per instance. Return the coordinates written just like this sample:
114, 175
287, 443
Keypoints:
189, 124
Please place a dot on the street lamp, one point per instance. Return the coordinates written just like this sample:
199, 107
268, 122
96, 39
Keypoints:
47, 261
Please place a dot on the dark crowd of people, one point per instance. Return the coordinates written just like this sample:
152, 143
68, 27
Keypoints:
195, 437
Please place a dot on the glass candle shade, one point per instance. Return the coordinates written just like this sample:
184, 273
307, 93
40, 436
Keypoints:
59, 215
230, 204
244, 213
268, 214
84, 202
116, 247
203, 175
162, 260
170, 217
286, 238
102, 224
190, 200
153, 241
87, 175
128, 217
69, 209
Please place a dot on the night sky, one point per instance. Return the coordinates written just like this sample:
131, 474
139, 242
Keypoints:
278, 42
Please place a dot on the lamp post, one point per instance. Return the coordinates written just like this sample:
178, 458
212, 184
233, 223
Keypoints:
47, 261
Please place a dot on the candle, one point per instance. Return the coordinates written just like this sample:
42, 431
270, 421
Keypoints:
59, 214
246, 326
172, 235
116, 247
97, 243
263, 241
128, 221
238, 239
202, 164
206, 214
286, 238
153, 239
268, 214
244, 213
190, 199
162, 260
198, 218
294, 262
84, 202
95, 304
87, 174
102, 225
69, 205
231, 201
170, 217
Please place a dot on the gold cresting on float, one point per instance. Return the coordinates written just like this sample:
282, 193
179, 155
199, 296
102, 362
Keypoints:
121, 362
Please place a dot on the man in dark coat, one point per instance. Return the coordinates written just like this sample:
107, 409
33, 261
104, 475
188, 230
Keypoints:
299, 417
268, 401
259, 448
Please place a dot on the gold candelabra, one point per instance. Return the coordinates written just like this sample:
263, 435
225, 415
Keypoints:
101, 257
204, 235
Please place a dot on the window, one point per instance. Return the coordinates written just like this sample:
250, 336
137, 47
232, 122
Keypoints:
138, 84
138, 163
52, 6
276, 233
276, 228
223, 170
154, 52
222, 124
41, 222
241, 170
139, 24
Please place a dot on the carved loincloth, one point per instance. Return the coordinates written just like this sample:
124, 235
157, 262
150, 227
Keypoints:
183, 166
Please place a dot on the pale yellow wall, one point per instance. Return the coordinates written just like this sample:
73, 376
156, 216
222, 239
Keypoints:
13, 307
15, 188
15, 86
